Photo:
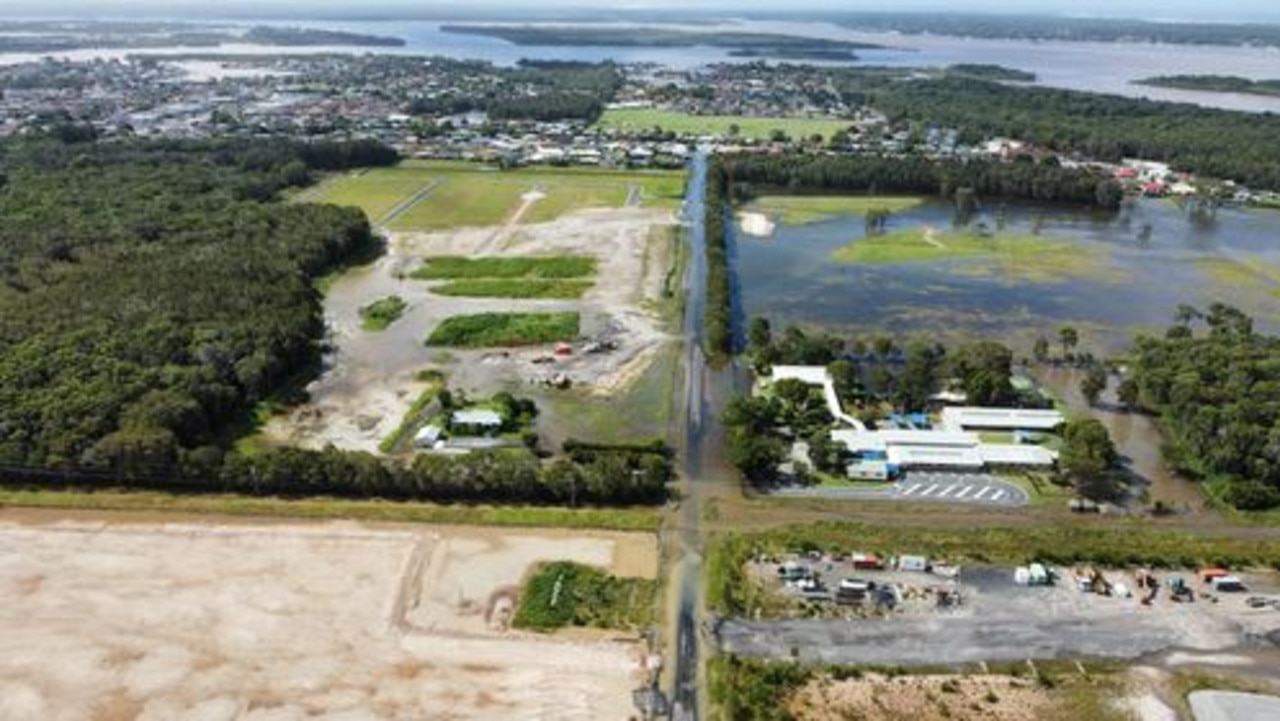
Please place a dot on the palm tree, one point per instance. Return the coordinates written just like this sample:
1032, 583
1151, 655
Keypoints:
1068, 337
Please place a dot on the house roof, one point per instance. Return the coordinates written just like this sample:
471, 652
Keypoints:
477, 417
961, 417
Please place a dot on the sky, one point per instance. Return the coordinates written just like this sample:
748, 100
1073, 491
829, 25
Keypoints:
1198, 10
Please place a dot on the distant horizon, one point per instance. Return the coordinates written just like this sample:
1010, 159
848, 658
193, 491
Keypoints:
1240, 13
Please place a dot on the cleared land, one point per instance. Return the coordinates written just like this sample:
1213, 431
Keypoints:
294, 621
501, 330
376, 192
805, 209
372, 379
426, 196
758, 128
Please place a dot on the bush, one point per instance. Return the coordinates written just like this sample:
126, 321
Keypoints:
564, 594
488, 330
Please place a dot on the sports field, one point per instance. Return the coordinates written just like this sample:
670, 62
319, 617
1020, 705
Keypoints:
759, 128
424, 196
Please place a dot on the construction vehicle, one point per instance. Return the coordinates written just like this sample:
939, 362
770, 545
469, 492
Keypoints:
1180, 591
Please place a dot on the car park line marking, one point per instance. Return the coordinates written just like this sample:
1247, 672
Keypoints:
912, 489
947, 491
965, 492
999, 494
930, 490
983, 492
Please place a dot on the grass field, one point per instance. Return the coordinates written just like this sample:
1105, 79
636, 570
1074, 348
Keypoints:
1249, 273
471, 195
380, 314
496, 330
804, 209
464, 200
553, 267
375, 191
759, 128
1024, 258
520, 288
619, 519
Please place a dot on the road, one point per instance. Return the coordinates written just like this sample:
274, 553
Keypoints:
684, 696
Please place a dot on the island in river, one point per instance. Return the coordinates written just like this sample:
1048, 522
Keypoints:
40, 36
740, 44
1214, 84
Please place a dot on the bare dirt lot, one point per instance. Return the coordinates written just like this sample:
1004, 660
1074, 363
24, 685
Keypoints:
922, 698
1001, 621
370, 381
186, 621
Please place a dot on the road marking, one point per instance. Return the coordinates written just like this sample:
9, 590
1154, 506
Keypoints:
930, 489
999, 494
983, 492
965, 492
912, 489
947, 491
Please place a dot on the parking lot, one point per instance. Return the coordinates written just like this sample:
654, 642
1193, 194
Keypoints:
924, 487
960, 488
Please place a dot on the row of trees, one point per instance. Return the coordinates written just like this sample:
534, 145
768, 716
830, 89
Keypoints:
718, 319
915, 175
1216, 385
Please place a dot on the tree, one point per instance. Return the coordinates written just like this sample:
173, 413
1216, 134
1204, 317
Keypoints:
1040, 351
1068, 337
847, 380
759, 334
1088, 459
1127, 393
985, 370
1093, 383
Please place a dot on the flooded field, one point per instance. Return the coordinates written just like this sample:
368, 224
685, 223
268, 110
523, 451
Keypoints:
1108, 275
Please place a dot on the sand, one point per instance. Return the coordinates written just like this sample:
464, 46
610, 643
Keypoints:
192, 621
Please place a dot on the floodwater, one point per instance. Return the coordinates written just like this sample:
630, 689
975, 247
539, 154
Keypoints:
1135, 268
1100, 67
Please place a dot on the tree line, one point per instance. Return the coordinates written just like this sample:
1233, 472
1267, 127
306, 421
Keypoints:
718, 319
914, 175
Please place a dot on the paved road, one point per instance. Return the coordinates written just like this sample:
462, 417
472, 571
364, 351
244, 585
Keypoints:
968, 488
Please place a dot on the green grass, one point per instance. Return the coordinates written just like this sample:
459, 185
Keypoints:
621, 519
489, 330
758, 128
380, 314
455, 267
1026, 258
516, 288
375, 191
474, 199
471, 195
564, 594
805, 209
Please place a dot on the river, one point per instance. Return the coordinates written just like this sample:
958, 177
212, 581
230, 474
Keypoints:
1099, 67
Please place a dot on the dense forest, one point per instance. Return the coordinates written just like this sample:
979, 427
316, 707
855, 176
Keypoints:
1218, 143
151, 292
1216, 385
1037, 182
